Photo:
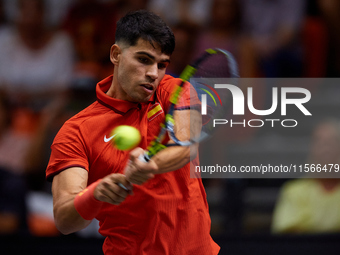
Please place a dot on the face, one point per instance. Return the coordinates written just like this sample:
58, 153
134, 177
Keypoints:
224, 13
138, 70
326, 144
31, 13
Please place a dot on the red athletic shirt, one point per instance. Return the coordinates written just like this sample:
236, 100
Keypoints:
166, 215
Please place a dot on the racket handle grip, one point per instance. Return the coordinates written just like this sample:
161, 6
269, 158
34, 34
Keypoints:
122, 186
144, 158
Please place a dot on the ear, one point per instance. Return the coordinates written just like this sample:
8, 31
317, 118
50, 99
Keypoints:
115, 54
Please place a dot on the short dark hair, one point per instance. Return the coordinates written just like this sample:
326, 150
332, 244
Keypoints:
147, 26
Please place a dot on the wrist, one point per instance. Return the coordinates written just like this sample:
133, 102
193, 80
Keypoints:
86, 204
153, 166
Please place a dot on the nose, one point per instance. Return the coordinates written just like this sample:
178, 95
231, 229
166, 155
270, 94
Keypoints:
152, 72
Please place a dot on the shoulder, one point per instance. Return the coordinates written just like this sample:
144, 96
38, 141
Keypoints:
166, 88
298, 187
88, 114
79, 123
168, 83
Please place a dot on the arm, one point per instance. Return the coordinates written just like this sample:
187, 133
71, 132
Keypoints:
188, 124
169, 159
66, 186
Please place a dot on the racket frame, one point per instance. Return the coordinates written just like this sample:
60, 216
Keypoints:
168, 126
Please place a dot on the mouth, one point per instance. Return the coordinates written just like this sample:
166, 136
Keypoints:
148, 87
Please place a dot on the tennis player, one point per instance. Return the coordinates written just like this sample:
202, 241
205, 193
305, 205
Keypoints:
163, 211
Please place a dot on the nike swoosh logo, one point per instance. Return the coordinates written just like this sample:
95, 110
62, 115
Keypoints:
108, 139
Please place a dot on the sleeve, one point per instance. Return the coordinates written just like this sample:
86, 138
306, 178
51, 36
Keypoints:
67, 151
188, 97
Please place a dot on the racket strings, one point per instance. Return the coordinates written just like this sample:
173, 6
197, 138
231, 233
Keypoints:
211, 67
214, 66
216, 102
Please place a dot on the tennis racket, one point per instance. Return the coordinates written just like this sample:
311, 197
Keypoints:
199, 98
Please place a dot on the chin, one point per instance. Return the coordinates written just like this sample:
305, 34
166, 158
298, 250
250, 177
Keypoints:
140, 99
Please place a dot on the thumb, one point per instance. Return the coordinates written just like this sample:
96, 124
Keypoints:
135, 153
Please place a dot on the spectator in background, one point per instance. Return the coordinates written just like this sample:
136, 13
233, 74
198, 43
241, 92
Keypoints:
36, 63
315, 40
20, 155
185, 38
35, 70
311, 205
224, 31
124, 6
12, 182
3, 18
330, 10
192, 12
274, 27
223, 28
85, 23
91, 25
55, 11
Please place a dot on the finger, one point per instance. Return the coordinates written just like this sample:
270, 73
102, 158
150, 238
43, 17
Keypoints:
110, 197
135, 153
140, 179
143, 166
130, 171
122, 182
110, 191
114, 194
137, 175
122, 186
129, 190
117, 190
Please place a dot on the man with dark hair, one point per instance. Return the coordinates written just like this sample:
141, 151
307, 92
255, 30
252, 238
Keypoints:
163, 210
153, 30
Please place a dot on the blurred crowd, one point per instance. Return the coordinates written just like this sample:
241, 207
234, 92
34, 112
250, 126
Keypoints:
53, 52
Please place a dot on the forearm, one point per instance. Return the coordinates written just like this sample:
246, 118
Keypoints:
188, 125
170, 158
76, 204
66, 217
65, 187
173, 158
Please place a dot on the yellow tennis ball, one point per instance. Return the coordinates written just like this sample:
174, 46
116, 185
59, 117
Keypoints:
125, 137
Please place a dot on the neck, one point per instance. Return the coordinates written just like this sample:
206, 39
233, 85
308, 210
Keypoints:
114, 90
329, 184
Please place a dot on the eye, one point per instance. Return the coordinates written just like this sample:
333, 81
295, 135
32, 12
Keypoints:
162, 66
143, 60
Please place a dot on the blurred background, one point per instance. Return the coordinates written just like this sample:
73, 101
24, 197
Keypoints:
52, 54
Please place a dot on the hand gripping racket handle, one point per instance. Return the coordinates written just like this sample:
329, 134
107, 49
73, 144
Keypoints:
122, 186
144, 158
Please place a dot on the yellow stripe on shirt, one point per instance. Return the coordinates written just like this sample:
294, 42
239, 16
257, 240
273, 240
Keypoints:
154, 110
